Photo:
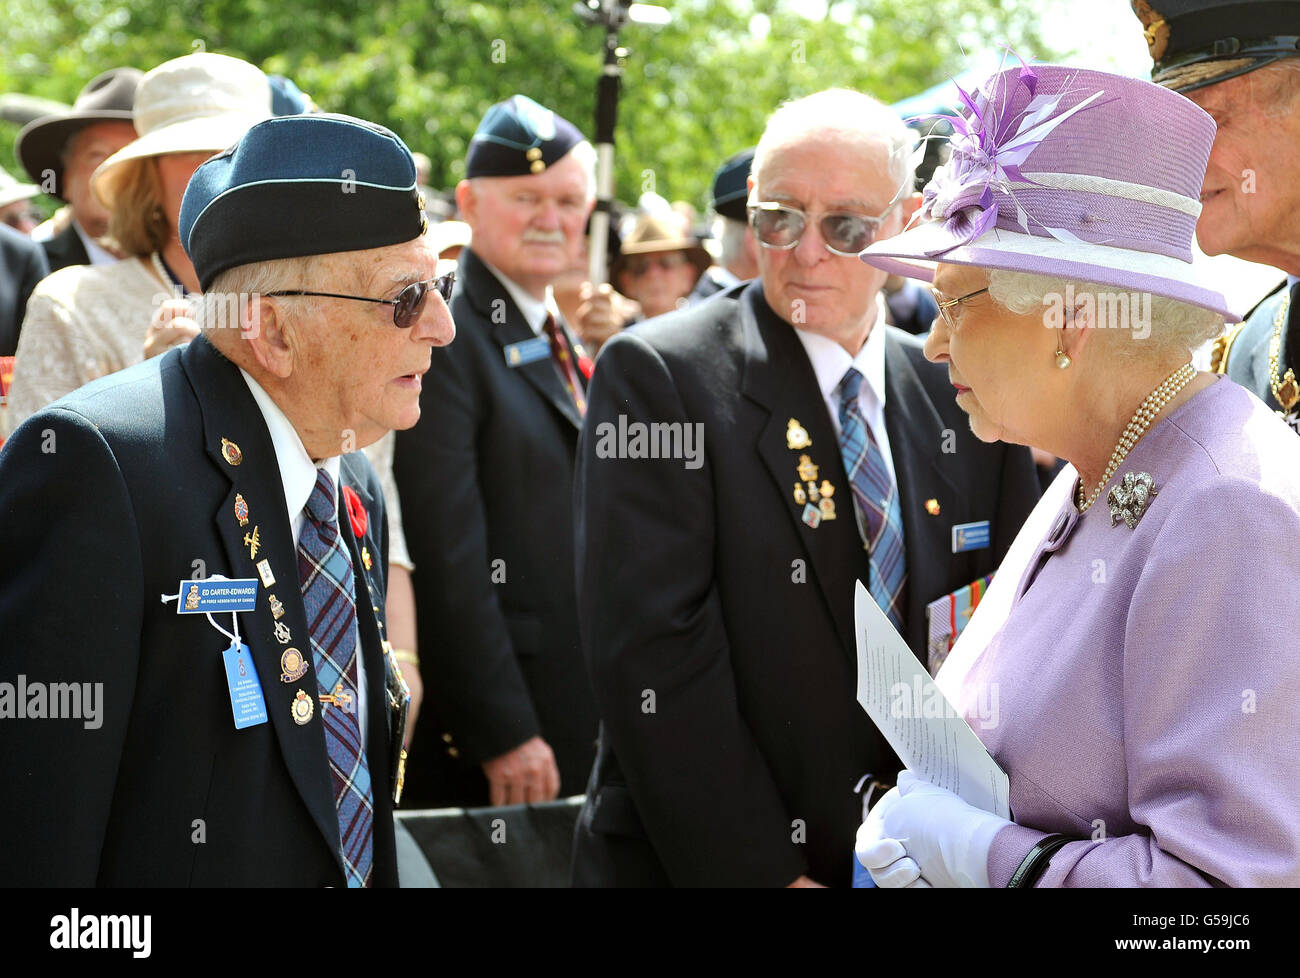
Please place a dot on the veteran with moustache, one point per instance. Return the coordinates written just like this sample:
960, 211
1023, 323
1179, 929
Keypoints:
257, 747
716, 597
486, 480
1239, 62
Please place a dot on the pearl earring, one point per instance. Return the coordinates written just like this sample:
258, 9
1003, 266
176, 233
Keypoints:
1063, 359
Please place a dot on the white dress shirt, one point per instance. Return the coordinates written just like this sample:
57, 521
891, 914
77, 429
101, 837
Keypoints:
298, 475
533, 308
830, 362
97, 254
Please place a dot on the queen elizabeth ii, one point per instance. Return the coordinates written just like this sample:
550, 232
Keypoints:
1138, 634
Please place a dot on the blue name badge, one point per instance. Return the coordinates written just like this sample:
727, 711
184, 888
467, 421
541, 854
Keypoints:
970, 536
246, 701
527, 351
210, 596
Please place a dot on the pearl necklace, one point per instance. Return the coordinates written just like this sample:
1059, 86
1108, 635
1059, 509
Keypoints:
1146, 413
164, 273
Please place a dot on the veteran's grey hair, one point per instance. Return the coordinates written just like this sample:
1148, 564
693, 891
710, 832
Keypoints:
840, 110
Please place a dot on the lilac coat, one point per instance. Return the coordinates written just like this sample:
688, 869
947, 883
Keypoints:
1147, 681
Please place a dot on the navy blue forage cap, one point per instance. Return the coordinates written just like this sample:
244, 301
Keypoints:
1194, 43
729, 189
300, 185
518, 137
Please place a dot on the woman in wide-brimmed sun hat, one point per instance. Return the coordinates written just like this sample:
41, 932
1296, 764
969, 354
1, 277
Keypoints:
86, 321
1148, 724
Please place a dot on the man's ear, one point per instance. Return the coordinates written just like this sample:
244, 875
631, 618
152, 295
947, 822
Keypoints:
269, 336
467, 202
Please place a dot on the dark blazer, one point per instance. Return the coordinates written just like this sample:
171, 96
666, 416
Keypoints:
486, 480
65, 249
110, 497
1248, 355
22, 265
719, 626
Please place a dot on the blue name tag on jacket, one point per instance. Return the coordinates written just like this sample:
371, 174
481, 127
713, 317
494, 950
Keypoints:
527, 351
210, 596
246, 701
970, 536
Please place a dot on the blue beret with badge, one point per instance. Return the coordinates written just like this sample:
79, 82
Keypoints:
518, 137
730, 191
300, 185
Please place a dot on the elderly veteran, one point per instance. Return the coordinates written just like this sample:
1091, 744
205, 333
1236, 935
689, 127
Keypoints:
86, 321
259, 746
715, 580
1238, 61
1145, 720
486, 480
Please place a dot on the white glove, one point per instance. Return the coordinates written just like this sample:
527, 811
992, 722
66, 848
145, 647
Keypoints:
922, 835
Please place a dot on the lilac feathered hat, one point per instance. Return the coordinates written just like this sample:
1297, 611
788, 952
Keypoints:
1072, 173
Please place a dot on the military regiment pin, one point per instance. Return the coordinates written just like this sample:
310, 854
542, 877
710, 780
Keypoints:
277, 608
932, 507
815, 497
282, 634
264, 572
230, 452
340, 698
365, 557
292, 668
302, 708
253, 543
806, 468
241, 510
796, 436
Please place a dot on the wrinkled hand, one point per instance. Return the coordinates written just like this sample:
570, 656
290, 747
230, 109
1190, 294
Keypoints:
920, 835
525, 774
171, 326
598, 318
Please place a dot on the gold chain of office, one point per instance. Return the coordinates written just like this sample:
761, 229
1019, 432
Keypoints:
1286, 391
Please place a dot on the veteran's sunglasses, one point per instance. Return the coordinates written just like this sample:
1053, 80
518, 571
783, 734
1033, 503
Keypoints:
406, 307
780, 226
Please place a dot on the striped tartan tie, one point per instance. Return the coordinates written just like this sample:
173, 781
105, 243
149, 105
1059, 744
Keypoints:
880, 518
329, 596
564, 363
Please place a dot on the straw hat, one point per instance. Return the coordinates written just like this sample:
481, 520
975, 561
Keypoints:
201, 103
658, 233
1072, 173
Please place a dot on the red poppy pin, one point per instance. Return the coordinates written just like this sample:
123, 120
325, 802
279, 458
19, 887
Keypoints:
356, 512
585, 365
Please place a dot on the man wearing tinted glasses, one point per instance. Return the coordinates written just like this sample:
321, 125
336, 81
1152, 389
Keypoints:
717, 598
236, 730
486, 479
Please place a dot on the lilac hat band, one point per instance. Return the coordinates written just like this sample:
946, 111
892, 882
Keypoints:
1072, 173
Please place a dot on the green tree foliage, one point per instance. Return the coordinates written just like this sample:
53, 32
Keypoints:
694, 92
